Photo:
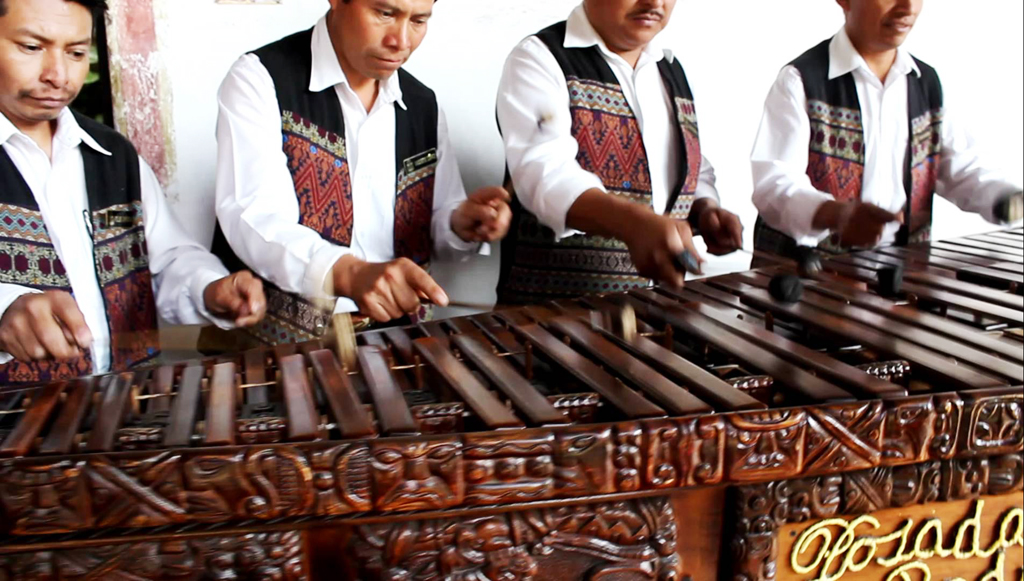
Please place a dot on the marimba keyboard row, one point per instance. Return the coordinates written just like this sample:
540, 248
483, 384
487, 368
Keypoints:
721, 345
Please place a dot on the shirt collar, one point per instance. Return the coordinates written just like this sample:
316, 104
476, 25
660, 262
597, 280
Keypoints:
69, 132
580, 33
844, 58
327, 71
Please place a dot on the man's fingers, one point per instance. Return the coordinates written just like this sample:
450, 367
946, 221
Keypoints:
256, 303
407, 299
489, 194
51, 338
420, 281
735, 230
66, 310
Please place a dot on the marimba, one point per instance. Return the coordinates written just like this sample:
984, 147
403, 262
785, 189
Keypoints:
732, 436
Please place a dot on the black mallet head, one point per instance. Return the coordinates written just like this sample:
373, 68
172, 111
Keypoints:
808, 261
786, 288
890, 281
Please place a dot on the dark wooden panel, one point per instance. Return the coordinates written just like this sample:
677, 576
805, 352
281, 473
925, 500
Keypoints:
690, 323
673, 398
527, 400
115, 391
613, 391
62, 434
220, 405
392, 411
31, 422
823, 322
488, 408
345, 406
184, 408
256, 373
303, 418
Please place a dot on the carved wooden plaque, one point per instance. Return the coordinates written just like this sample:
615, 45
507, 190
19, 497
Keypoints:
980, 539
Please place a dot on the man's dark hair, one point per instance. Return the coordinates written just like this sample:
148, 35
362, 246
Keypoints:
96, 7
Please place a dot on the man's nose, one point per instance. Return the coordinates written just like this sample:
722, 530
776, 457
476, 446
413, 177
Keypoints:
399, 37
55, 69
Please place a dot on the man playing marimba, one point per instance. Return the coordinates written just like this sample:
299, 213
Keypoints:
852, 130
602, 148
324, 214
90, 252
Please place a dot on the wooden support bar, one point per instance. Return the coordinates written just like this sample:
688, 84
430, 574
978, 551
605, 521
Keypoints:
255, 374
690, 323
959, 377
392, 411
967, 289
997, 240
943, 345
115, 391
31, 423
220, 405
990, 277
184, 408
64, 429
345, 406
981, 245
488, 408
401, 343
675, 399
161, 383
597, 379
922, 319
973, 251
703, 384
523, 396
830, 369
299, 405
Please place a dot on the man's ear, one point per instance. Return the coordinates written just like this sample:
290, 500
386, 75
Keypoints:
845, 4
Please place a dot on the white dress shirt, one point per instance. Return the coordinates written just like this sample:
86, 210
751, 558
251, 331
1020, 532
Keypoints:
536, 125
783, 193
181, 267
256, 203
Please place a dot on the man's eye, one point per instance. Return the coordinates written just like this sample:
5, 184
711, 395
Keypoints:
31, 47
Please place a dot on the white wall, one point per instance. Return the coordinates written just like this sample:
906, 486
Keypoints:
732, 51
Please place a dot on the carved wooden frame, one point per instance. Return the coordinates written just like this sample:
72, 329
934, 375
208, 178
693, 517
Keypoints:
332, 479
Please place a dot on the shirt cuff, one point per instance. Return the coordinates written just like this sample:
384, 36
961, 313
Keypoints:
552, 209
315, 281
197, 290
799, 214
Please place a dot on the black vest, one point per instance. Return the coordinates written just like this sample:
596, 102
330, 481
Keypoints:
28, 257
836, 150
313, 140
535, 267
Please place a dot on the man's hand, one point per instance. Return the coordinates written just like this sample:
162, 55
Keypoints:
654, 242
484, 216
857, 223
44, 326
386, 290
721, 229
238, 296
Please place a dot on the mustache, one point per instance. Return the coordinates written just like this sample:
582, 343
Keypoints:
660, 14
61, 95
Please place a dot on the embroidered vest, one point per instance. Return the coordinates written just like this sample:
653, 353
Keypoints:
313, 140
535, 267
836, 158
28, 257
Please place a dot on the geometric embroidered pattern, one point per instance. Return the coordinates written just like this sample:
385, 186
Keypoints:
32, 264
119, 257
414, 209
320, 174
836, 132
596, 96
926, 153
840, 177
21, 223
687, 118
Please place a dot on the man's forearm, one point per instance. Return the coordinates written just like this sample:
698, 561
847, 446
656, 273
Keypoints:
600, 214
827, 216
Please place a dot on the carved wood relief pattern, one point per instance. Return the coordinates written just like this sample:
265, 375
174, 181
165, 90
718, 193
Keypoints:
761, 509
256, 557
157, 488
626, 540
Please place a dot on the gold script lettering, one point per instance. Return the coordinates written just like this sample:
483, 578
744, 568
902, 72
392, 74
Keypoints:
837, 546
